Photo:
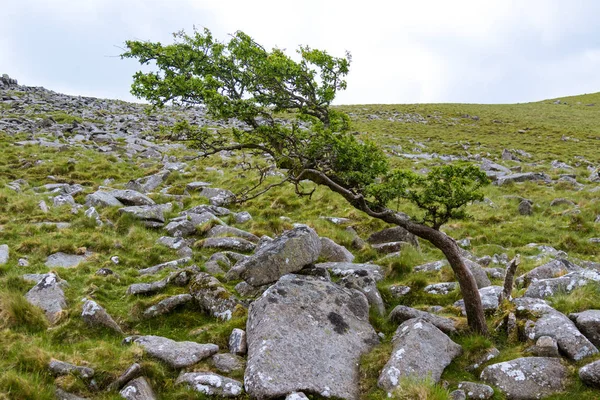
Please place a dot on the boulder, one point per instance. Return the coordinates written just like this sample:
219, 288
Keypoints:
63, 260
527, 378
242, 217
224, 230
130, 373
551, 269
588, 323
590, 374
368, 286
148, 183
402, 313
228, 243
307, 334
522, 177
342, 269
395, 234
95, 315
289, 252
420, 350
543, 288
476, 390
62, 395
440, 288
210, 384
333, 252
478, 273
555, 324
59, 368
147, 288
526, 207
48, 295
102, 199
132, 198
489, 299
151, 216
430, 266
138, 389
176, 354
227, 362
212, 296
399, 291
175, 264
237, 342
545, 346
186, 225
167, 305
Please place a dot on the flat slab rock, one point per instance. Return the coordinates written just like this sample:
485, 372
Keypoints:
176, 354
489, 299
211, 384
287, 253
64, 260
307, 334
345, 268
527, 378
549, 287
403, 313
420, 349
555, 324
138, 389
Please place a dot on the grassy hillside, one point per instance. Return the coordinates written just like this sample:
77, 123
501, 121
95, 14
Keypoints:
414, 136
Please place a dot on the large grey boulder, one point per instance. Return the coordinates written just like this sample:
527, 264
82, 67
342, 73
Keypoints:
420, 350
102, 199
289, 252
551, 269
478, 272
307, 334
227, 362
216, 196
555, 324
167, 305
333, 252
228, 243
395, 234
588, 323
138, 389
527, 378
4, 253
64, 260
564, 284
211, 384
212, 296
151, 216
224, 230
186, 225
148, 183
176, 354
132, 198
342, 269
48, 295
590, 374
522, 177
490, 296
95, 315
403, 313
368, 286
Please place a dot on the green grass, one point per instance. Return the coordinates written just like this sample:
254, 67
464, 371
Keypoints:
569, 133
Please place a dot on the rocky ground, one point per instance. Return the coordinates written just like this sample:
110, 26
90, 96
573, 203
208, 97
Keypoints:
127, 273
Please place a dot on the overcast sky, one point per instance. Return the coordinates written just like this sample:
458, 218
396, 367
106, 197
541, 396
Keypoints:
481, 51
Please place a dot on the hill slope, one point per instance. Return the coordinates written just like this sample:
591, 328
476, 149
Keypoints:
57, 150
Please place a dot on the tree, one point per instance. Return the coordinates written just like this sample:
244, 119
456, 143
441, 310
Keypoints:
241, 79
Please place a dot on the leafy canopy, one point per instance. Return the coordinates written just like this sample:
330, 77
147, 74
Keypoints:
285, 108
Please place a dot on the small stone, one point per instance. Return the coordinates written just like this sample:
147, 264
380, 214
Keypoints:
60, 368
545, 346
130, 373
237, 342
4, 254
94, 315
167, 305
227, 362
242, 217
476, 390
138, 389
399, 290
211, 384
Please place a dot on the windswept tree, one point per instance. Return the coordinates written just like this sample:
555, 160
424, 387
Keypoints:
241, 79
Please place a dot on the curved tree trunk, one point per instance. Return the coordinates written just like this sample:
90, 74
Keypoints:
448, 246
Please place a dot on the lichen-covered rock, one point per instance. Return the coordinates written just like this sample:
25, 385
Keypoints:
476, 390
212, 296
48, 295
395, 234
590, 374
176, 354
237, 342
307, 334
102, 199
478, 273
151, 216
187, 224
169, 264
522, 177
228, 243
441, 288
368, 286
420, 350
167, 305
549, 287
210, 384
489, 299
527, 378
551, 269
553, 323
138, 389
545, 346
588, 323
148, 183
132, 198
59, 368
398, 291
95, 315
287, 253
147, 288
224, 230
62, 395
342, 269
403, 313
333, 252
227, 362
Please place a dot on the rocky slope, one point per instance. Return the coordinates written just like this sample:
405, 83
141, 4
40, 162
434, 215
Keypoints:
127, 273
